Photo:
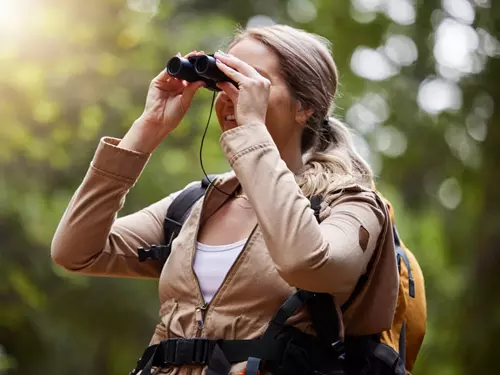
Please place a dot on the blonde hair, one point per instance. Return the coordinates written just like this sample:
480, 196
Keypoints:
331, 161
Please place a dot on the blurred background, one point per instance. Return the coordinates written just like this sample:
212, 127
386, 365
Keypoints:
420, 88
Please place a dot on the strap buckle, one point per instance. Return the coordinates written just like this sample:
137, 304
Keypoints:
338, 347
155, 252
179, 352
172, 227
201, 351
184, 352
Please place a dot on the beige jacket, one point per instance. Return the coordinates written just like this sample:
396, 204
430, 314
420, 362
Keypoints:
288, 249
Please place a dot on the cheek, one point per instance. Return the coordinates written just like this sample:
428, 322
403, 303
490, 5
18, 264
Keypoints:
280, 118
219, 106
280, 112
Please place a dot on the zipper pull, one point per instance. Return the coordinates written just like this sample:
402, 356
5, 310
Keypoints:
199, 312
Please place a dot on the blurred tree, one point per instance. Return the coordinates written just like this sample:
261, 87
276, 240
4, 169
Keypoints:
418, 87
480, 324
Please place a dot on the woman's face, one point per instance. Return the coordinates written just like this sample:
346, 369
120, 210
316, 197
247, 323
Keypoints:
281, 117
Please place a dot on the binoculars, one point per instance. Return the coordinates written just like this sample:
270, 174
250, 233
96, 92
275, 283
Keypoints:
198, 68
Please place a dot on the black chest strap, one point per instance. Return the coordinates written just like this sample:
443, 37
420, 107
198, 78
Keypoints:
283, 348
181, 352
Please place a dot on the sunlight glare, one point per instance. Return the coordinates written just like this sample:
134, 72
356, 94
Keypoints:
13, 16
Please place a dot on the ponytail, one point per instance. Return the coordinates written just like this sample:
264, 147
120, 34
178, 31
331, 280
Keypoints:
332, 162
330, 159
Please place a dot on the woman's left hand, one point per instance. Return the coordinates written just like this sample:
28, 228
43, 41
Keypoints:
251, 100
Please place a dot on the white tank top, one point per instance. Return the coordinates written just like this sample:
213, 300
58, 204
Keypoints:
212, 263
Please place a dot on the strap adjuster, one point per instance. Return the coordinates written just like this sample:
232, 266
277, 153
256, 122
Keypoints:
201, 351
155, 252
184, 352
338, 347
179, 352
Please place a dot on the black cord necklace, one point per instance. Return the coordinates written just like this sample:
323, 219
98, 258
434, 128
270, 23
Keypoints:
201, 147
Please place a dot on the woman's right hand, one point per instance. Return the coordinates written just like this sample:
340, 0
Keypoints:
167, 102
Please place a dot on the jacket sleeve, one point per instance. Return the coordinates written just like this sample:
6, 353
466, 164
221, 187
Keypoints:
328, 257
90, 239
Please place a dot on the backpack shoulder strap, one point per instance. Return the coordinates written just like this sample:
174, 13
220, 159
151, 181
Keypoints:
180, 208
176, 215
401, 255
325, 317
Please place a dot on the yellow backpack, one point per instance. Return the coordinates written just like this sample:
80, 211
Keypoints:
408, 328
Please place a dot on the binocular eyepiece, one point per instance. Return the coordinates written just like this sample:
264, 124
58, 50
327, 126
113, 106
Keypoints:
198, 68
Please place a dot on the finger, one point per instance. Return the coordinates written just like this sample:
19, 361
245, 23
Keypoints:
191, 89
192, 53
229, 89
238, 65
163, 76
230, 72
172, 86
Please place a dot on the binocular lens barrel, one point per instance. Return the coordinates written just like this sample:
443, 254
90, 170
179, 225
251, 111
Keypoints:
207, 67
182, 68
202, 63
174, 66
197, 68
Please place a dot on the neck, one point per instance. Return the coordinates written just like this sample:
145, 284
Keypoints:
292, 157
294, 163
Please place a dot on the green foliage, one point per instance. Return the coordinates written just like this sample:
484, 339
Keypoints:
73, 72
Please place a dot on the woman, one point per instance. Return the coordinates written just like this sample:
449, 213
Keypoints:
240, 255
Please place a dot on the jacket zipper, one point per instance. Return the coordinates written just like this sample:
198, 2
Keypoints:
199, 315
201, 311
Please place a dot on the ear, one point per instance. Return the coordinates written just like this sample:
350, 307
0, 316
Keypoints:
302, 114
